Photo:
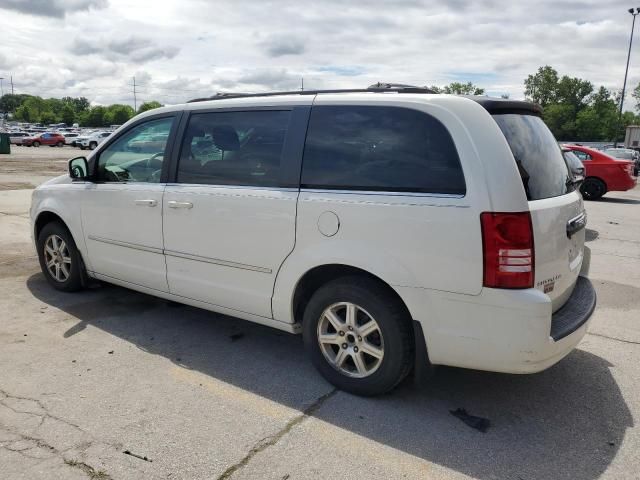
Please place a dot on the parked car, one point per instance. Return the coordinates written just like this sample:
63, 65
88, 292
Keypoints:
51, 139
575, 165
626, 154
419, 230
93, 140
604, 173
70, 138
17, 138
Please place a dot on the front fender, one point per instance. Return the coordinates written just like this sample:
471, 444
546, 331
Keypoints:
64, 199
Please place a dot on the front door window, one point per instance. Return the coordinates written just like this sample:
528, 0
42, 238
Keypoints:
136, 156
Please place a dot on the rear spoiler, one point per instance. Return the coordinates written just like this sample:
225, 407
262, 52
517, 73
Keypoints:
505, 105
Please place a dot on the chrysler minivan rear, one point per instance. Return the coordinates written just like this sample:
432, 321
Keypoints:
536, 300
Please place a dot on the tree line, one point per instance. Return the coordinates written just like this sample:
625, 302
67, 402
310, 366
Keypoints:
69, 110
573, 108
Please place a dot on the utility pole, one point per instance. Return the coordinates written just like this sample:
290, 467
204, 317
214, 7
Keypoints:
1, 89
302, 84
11, 77
135, 100
624, 85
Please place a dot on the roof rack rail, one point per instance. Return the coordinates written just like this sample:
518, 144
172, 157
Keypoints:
376, 87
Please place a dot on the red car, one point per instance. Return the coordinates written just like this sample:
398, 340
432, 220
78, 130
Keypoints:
51, 139
604, 173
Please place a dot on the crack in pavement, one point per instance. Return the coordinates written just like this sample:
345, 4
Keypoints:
91, 472
271, 440
28, 445
613, 338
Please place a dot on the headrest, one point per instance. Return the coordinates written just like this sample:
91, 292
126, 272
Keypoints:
225, 137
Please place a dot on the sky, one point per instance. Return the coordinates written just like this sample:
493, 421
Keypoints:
178, 50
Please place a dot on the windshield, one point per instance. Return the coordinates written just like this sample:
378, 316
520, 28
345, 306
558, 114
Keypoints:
538, 156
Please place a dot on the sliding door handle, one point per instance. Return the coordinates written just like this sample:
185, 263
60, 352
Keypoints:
174, 204
147, 202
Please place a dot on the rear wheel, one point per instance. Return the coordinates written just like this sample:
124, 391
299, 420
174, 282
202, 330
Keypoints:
93, 145
60, 144
358, 336
59, 258
593, 188
36, 144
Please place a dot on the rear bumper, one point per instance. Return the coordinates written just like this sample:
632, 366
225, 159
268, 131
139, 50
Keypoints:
510, 331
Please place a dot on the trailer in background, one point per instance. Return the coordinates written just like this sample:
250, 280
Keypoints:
632, 137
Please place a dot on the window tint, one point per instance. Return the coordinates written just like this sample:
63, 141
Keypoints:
538, 156
137, 155
233, 148
380, 148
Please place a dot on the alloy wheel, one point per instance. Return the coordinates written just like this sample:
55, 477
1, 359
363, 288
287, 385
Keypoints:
57, 258
350, 339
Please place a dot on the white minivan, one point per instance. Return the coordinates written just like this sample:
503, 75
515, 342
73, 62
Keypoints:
394, 228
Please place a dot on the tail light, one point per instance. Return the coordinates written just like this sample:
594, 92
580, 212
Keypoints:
507, 242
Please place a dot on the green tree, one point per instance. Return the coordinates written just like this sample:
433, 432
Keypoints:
94, 117
636, 97
542, 87
458, 88
10, 102
560, 118
68, 114
80, 104
118, 114
149, 106
573, 91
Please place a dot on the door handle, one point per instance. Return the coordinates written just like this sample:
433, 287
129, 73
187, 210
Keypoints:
147, 203
174, 204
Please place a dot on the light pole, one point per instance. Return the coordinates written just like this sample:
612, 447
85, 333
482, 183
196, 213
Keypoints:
624, 85
1, 89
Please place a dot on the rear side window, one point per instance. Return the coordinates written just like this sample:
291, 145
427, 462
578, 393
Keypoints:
538, 156
234, 148
380, 149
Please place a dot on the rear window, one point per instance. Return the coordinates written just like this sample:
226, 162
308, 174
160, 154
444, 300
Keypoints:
538, 156
380, 149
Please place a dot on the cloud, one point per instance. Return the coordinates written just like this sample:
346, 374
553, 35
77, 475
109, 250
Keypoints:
52, 8
136, 49
280, 45
253, 46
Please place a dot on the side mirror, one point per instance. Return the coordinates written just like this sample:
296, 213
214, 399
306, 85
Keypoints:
78, 168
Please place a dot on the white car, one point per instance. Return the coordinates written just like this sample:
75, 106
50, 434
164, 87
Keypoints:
395, 231
92, 141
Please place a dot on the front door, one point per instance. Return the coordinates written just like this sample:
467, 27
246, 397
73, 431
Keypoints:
229, 220
122, 210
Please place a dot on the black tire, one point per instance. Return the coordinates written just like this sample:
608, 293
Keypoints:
93, 145
394, 324
36, 144
74, 281
593, 188
81, 147
60, 144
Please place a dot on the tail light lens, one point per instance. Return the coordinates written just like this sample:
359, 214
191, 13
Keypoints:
507, 242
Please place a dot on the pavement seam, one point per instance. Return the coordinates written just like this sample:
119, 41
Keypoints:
272, 440
613, 338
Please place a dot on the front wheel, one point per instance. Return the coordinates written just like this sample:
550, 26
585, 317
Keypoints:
593, 188
358, 336
59, 258
60, 144
36, 144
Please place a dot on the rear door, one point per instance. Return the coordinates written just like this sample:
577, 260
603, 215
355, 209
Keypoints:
230, 217
557, 210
